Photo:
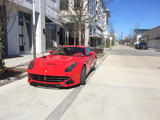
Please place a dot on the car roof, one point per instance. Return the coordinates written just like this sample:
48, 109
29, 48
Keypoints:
74, 46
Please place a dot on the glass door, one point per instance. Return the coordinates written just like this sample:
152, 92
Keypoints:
21, 37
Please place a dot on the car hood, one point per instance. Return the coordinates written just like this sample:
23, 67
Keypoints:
54, 63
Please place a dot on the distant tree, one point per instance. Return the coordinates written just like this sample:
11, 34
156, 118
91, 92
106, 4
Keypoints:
135, 33
137, 25
121, 40
131, 35
77, 12
72, 27
111, 28
112, 32
121, 37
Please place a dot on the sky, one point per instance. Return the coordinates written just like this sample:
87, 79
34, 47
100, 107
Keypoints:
127, 14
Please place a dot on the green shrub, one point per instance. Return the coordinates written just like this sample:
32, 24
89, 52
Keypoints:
113, 43
107, 45
131, 45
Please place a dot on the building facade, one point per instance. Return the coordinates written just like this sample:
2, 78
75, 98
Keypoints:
94, 29
19, 39
138, 34
152, 37
98, 27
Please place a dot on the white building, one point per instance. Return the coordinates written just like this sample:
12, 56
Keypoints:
98, 28
138, 34
105, 31
152, 37
47, 27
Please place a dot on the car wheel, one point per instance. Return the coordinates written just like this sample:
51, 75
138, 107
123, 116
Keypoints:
83, 76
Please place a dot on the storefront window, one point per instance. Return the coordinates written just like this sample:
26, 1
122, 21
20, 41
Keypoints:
25, 39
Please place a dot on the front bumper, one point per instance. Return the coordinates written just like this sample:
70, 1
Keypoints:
53, 81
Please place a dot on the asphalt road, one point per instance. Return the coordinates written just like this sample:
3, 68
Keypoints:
124, 50
125, 86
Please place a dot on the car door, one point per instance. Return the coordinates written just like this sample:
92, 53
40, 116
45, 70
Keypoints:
89, 59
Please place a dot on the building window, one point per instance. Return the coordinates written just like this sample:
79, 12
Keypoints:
63, 4
53, 1
91, 7
25, 37
90, 30
30, 1
77, 4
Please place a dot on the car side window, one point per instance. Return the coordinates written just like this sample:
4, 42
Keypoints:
88, 50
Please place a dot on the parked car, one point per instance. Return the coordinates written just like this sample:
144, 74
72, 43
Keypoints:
65, 67
141, 45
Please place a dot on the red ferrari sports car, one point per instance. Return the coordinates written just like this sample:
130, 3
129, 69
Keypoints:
65, 67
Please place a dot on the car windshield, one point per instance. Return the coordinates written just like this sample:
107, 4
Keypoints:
70, 51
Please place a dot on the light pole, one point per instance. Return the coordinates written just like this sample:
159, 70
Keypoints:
34, 30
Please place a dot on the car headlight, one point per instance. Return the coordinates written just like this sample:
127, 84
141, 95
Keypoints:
31, 65
71, 67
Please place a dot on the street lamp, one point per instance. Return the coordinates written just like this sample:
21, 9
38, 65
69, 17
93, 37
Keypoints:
34, 30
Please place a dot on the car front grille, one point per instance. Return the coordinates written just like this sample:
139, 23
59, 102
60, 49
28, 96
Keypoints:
45, 78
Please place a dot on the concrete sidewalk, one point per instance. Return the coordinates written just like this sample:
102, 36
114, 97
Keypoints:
120, 90
20, 101
20, 61
16, 68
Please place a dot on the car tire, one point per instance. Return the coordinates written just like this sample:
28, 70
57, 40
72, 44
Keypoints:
83, 76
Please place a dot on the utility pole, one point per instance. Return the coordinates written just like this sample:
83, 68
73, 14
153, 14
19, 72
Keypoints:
34, 30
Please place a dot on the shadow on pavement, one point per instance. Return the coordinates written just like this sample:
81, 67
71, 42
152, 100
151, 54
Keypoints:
11, 72
157, 50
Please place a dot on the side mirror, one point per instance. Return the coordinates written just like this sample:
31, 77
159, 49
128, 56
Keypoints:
91, 53
51, 52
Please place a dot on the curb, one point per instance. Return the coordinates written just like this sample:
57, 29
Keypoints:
103, 58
